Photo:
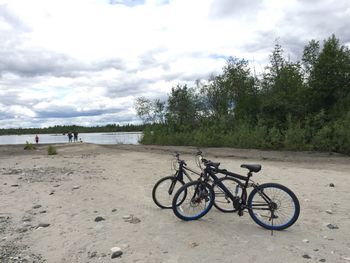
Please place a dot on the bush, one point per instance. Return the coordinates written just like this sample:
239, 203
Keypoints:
323, 140
51, 150
295, 137
29, 146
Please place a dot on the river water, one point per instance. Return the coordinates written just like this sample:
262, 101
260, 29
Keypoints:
96, 137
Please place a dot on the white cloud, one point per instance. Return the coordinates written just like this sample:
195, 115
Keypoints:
85, 61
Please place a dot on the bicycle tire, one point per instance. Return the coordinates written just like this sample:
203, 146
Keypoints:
162, 187
283, 197
190, 196
222, 202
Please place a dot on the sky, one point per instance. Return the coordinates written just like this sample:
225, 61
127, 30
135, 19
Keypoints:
85, 62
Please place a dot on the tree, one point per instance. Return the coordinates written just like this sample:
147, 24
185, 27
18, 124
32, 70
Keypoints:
150, 111
183, 107
330, 78
310, 56
233, 94
283, 91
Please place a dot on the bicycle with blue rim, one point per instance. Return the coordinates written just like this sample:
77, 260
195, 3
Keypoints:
271, 205
165, 188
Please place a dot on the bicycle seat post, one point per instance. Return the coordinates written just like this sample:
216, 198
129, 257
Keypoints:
249, 174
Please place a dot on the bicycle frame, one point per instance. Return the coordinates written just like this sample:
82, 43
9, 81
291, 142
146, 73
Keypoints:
182, 170
239, 203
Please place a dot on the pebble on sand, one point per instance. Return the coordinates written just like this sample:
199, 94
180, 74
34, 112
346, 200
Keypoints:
43, 225
99, 218
331, 185
194, 244
92, 254
115, 249
306, 256
131, 219
22, 230
332, 226
116, 254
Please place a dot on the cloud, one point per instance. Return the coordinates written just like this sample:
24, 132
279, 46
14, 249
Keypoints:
10, 21
228, 8
127, 2
38, 62
86, 61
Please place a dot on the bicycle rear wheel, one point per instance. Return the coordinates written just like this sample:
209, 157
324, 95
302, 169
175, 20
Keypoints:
222, 201
273, 206
164, 190
193, 200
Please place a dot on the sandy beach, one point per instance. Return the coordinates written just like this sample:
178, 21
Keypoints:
77, 205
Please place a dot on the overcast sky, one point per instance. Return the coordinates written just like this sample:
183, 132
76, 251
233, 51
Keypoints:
85, 61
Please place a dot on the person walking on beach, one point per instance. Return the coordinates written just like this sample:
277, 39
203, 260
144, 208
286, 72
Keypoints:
36, 139
70, 136
75, 136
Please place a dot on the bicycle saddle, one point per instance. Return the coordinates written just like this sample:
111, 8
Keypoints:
252, 167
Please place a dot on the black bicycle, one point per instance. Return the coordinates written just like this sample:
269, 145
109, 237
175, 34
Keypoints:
272, 206
163, 190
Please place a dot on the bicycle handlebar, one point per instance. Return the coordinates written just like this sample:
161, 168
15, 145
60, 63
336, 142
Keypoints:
177, 155
210, 163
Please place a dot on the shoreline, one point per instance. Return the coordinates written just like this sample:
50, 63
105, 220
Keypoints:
216, 152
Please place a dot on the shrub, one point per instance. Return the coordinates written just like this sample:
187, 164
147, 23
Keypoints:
294, 137
29, 146
51, 150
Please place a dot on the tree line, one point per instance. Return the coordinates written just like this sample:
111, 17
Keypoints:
63, 129
292, 105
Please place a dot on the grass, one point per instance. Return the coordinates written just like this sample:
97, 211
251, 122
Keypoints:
51, 150
29, 146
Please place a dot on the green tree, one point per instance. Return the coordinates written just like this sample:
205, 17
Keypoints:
329, 81
283, 91
234, 93
150, 111
183, 107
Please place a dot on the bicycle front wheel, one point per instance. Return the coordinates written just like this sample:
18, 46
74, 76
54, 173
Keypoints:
193, 200
222, 201
164, 190
273, 206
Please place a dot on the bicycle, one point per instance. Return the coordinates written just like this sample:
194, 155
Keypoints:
270, 205
162, 192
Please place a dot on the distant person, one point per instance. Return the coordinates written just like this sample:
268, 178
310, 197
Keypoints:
75, 136
70, 136
36, 139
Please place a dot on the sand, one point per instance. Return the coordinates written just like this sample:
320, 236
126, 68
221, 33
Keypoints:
49, 205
